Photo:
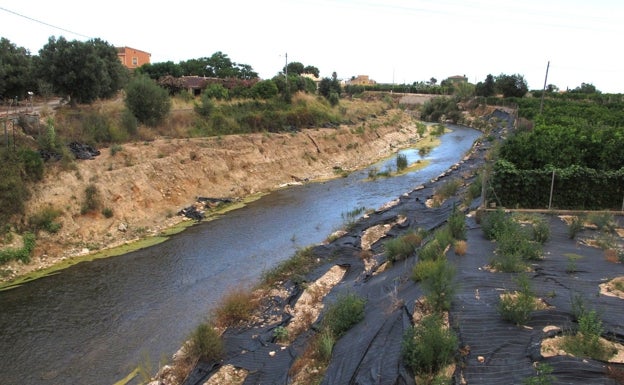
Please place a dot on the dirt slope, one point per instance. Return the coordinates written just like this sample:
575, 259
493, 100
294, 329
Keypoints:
147, 183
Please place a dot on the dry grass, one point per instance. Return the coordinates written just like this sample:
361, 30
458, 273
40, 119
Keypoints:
460, 247
611, 255
236, 307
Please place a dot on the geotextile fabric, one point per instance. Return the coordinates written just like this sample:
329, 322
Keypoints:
494, 351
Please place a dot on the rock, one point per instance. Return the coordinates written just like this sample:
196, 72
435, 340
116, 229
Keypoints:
122, 227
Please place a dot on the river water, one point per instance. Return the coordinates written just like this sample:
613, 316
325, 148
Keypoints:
94, 322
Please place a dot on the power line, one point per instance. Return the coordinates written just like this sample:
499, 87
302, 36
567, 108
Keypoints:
44, 23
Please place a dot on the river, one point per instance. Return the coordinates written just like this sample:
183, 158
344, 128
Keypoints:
94, 322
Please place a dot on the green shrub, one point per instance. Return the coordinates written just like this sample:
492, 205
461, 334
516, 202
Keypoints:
344, 313
603, 221
575, 226
541, 230
92, 199
148, 102
206, 343
280, 333
401, 162
402, 247
115, 148
44, 220
542, 377
517, 307
425, 268
586, 342
439, 286
107, 212
444, 236
448, 189
428, 347
432, 250
22, 254
457, 224
494, 222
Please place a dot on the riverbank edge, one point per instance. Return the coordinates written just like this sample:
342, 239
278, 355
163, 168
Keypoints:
180, 224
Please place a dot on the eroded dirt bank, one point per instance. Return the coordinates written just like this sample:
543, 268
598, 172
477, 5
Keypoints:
145, 184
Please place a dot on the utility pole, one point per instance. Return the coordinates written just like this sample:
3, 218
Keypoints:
544, 90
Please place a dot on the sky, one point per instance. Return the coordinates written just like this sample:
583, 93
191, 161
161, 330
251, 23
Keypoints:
391, 41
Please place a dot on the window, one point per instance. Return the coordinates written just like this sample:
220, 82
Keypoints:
135, 61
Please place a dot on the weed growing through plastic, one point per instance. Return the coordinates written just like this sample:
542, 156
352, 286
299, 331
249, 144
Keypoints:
575, 226
586, 342
542, 377
439, 286
343, 314
206, 343
517, 307
402, 247
429, 346
236, 306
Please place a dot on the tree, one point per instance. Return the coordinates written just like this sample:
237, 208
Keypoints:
294, 68
311, 70
15, 71
81, 71
327, 86
160, 70
265, 89
433, 81
147, 101
586, 88
512, 85
486, 88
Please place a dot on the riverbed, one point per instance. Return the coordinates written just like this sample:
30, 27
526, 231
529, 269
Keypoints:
95, 322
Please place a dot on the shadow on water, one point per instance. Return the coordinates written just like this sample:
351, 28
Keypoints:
94, 322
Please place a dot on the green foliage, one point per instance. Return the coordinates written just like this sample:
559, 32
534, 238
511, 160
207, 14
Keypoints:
541, 230
448, 189
325, 346
542, 377
511, 85
206, 343
603, 221
575, 226
435, 109
341, 315
439, 286
429, 346
401, 162
16, 66
22, 254
129, 122
44, 220
264, 89
206, 107
425, 268
92, 199
586, 342
402, 247
18, 169
298, 265
216, 91
84, 71
517, 307
280, 333
350, 217
493, 223
147, 101
457, 224
107, 212
431, 251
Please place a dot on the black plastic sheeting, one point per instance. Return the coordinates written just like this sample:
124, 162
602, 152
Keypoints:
370, 352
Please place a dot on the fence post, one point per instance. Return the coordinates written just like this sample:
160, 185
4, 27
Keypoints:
552, 185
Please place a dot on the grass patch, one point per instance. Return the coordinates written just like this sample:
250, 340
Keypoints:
402, 247
235, 307
45, 220
205, 343
299, 264
20, 254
